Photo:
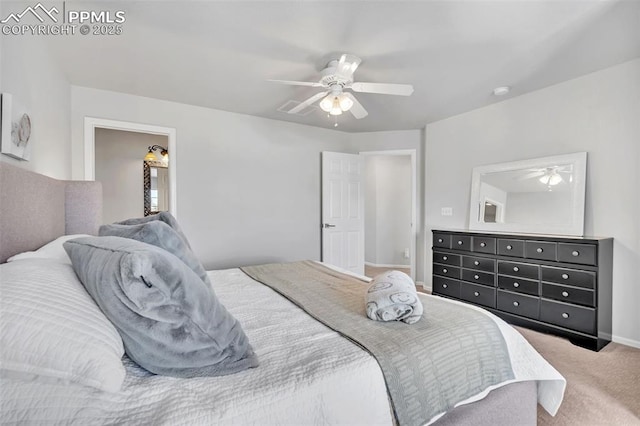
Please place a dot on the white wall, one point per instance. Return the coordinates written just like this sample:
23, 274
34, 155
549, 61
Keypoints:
119, 158
548, 208
598, 113
248, 188
30, 75
387, 209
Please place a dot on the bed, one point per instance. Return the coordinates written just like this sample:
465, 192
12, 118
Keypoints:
309, 373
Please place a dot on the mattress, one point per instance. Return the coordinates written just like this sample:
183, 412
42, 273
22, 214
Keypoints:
308, 374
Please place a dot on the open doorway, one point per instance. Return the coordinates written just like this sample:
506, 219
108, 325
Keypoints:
94, 127
390, 211
126, 182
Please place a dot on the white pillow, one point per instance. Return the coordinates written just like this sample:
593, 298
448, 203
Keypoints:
51, 327
52, 250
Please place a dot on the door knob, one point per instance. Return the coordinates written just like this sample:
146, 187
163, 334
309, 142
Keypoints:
328, 225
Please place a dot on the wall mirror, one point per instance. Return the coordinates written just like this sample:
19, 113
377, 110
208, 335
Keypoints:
156, 187
537, 196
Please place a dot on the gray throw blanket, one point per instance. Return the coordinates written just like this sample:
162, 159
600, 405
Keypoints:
392, 296
449, 355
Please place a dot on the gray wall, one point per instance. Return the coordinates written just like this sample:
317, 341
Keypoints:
387, 209
31, 76
118, 165
248, 188
597, 113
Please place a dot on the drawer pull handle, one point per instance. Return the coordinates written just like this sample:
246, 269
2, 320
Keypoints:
539, 250
516, 303
459, 242
483, 244
444, 270
509, 247
476, 294
476, 277
565, 276
476, 263
516, 269
516, 285
565, 315
444, 257
440, 240
444, 286
575, 253
565, 293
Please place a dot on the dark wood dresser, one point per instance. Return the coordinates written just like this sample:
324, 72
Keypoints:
558, 285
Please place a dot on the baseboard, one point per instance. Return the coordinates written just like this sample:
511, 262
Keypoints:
625, 341
424, 286
382, 265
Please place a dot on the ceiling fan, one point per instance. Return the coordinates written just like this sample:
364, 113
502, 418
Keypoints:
549, 175
336, 78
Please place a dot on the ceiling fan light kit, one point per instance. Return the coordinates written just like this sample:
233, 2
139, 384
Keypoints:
338, 77
336, 105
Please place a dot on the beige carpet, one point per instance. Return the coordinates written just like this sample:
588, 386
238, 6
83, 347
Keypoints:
603, 388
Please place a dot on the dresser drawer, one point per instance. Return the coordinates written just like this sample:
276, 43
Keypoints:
569, 294
484, 245
511, 247
484, 278
479, 263
479, 294
542, 250
446, 271
446, 286
569, 316
584, 254
519, 285
442, 240
461, 242
574, 277
519, 304
517, 269
446, 258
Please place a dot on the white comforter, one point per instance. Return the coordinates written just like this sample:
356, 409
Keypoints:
308, 374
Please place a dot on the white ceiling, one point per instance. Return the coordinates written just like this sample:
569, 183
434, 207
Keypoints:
219, 54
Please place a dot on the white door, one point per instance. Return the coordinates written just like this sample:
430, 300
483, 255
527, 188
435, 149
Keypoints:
343, 211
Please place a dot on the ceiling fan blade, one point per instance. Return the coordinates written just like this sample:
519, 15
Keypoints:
304, 104
298, 83
357, 109
383, 88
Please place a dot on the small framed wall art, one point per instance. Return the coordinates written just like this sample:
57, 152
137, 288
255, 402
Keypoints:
15, 129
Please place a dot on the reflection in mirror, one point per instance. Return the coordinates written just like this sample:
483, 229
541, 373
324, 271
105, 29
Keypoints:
490, 211
156, 187
544, 195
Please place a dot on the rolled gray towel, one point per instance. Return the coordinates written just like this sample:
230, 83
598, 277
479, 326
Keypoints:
392, 296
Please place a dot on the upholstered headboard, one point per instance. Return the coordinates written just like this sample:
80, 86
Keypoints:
36, 209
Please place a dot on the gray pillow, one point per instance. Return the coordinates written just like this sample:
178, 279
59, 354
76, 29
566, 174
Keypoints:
165, 217
159, 234
170, 321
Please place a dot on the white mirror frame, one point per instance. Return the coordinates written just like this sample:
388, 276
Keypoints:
576, 228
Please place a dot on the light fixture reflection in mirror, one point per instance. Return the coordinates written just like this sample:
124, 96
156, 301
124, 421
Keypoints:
544, 196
